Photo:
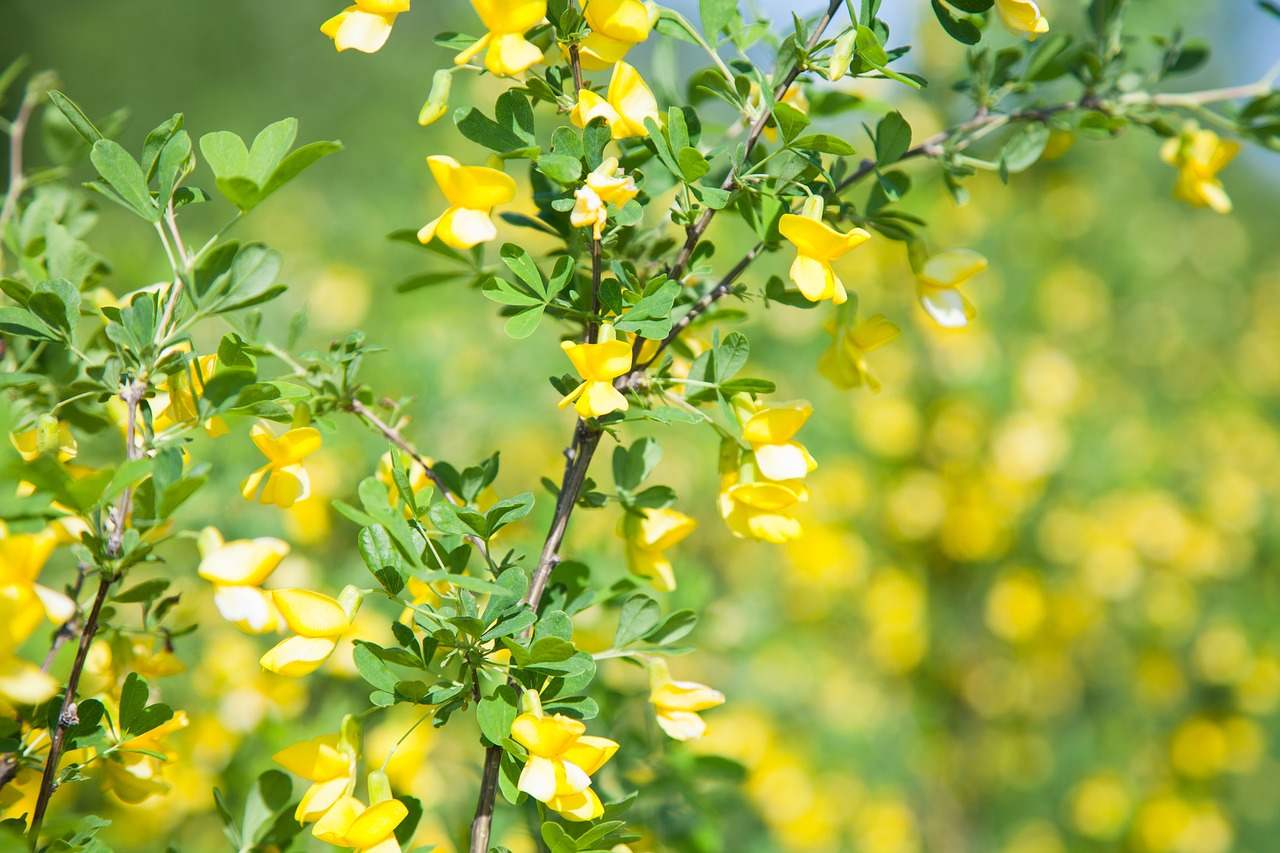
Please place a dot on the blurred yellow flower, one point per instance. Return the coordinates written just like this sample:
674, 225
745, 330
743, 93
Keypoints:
625, 106
598, 364
1016, 607
1022, 18
1199, 155
561, 759
329, 764
364, 26
678, 702
1100, 807
237, 570
508, 52
185, 389
817, 245
616, 27
318, 621
605, 185
939, 280
23, 604
49, 435
472, 191
649, 532
283, 481
366, 830
845, 362
769, 431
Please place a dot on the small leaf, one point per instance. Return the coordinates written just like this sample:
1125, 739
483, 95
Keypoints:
640, 614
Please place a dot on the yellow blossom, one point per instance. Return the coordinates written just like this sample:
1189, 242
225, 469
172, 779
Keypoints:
845, 362
134, 770
283, 480
625, 106
364, 26
1199, 155
472, 191
604, 186
561, 759
23, 604
817, 245
508, 52
1022, 18
649, 532
326, 762
616, 27
237, 570
318, 621
678, 703
185, 388
366, 830
769, 431
598, 364
939, 280
47, 436
761, 510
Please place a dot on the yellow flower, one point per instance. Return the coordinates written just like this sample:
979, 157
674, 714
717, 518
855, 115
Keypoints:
625, 106
326, 762
616, 27
472, 191
184, 388
678, 703
817, 245
237, 570
604, 186
647, 535
364, 26
134, 772
598, 365
366, 830
1022, 18
761, 510
845, 362
509, 52
48, 435
23, 604
939, 281
769, 432
1199, 156
283, 480
317, 620
561, 759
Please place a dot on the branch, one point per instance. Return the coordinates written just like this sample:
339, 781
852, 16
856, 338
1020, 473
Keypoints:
757, 127
593, 326
67, 717
17, 180
394, 435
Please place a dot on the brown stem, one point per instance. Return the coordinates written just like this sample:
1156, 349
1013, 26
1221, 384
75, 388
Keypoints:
67, 717
71, 627
394, 435
696, 231
593, 325
482, 824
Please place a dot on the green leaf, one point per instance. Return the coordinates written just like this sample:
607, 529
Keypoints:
296, 163
20, 321
481, 129
76, 116
958, 28
716, 15
156, 141
373, 669
496, 713
692, 164
639, 616
269, 148
651, 316
225, 153
868, 47
561, 168
125, 176
893, 139
57, 303
461, 521
632, 466
1024, 148
791, 121
674, 627
824, 143
506, 511
136, 717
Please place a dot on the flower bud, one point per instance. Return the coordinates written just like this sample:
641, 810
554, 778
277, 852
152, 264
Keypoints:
841, 55
438, 101
350, 600
379, 787
531, 703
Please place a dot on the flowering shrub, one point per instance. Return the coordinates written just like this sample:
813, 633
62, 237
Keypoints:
450, 621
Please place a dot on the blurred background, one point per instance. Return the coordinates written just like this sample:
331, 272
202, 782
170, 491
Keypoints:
1034, 611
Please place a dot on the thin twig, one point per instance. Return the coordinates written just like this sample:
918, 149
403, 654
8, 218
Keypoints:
67, 717
696, 231
593, 322
17, 180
